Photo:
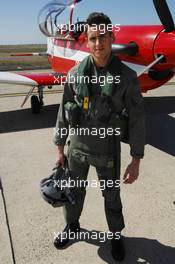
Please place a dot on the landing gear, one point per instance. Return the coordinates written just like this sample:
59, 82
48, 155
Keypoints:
35, 104
37, 101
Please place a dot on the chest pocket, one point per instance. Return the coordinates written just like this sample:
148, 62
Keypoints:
100, 109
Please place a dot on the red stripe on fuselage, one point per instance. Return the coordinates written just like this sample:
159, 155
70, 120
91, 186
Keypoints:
61, 64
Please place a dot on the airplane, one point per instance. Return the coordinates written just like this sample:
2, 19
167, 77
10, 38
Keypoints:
148, 49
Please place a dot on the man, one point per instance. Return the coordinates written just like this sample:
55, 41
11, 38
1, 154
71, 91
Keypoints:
95, 106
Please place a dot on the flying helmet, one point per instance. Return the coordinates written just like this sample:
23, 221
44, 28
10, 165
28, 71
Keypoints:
55, 189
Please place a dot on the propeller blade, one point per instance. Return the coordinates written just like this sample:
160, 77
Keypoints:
164, 15
147, 68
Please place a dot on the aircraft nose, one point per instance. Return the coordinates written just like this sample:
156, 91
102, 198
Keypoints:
165, 45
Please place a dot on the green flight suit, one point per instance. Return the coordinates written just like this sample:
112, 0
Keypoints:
102, 152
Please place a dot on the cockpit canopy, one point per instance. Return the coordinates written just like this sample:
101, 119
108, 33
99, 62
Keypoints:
55, 18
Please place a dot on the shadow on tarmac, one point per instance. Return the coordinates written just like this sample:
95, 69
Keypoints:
160, 126
138, 250
23, 119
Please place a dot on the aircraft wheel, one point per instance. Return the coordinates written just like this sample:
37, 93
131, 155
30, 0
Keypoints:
35, 104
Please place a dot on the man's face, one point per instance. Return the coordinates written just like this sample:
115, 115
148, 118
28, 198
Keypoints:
99, 42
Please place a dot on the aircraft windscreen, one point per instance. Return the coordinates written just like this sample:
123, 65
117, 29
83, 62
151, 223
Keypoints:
54, 18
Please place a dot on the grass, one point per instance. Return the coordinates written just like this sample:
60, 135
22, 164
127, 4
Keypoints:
23, 48
7, 62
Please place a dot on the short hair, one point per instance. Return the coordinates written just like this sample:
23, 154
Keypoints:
97, 19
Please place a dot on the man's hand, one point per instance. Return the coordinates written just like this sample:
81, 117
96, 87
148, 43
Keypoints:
60, 155
132, 171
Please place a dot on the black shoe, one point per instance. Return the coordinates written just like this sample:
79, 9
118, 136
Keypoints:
64, 237
118, 249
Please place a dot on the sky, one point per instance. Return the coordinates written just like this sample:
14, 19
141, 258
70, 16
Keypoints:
19, 18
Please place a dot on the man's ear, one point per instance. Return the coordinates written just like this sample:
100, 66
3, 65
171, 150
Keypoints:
87, 44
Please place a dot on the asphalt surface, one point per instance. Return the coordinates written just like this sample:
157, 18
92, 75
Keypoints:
27, 155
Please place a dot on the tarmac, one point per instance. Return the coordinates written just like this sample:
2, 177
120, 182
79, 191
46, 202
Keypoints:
27, 155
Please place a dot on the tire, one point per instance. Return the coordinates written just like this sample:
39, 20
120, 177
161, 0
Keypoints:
35, 104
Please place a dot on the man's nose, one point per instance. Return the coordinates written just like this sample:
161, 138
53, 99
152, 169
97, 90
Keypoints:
98, 41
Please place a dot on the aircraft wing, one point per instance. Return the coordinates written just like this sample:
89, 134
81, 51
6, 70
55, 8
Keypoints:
32, 79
